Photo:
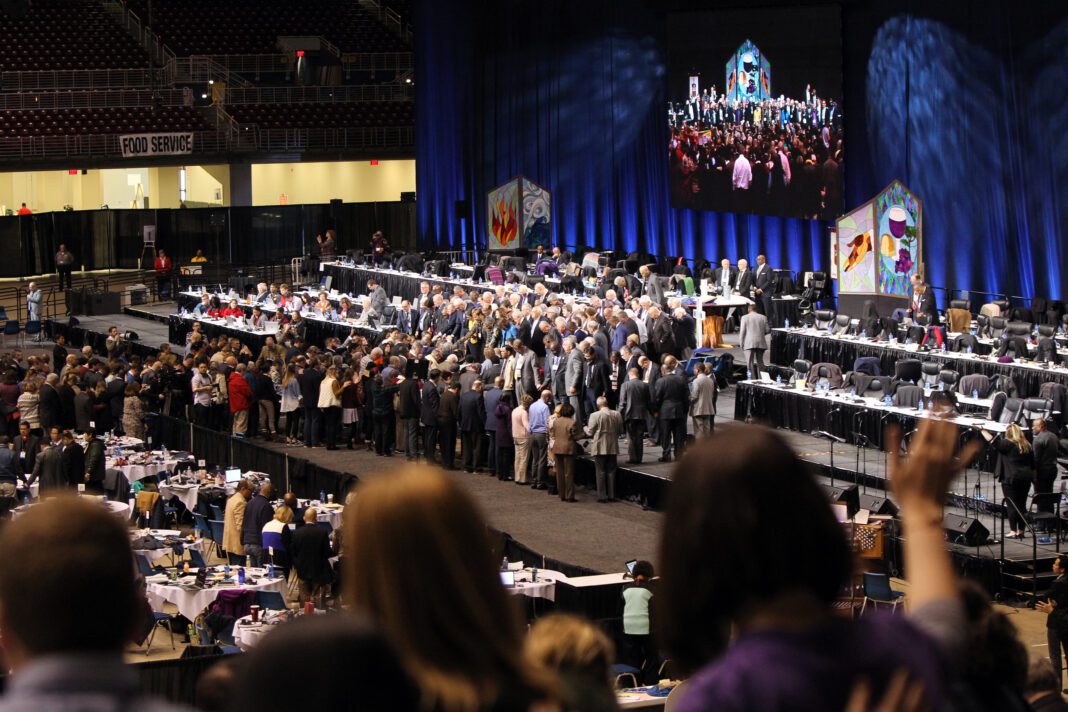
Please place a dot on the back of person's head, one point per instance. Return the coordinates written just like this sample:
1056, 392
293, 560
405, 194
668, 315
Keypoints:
217, 686
67, 580
1042, 680
994, 657
643, 571
745, 523
443, 605
335, 662
567, 643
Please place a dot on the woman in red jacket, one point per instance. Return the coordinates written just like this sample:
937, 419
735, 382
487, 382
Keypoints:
240, 399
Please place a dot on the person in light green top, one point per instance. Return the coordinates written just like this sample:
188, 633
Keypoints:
637, 622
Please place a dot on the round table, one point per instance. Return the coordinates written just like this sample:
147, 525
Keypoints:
119, 509
191, 600
543, 587
135, 471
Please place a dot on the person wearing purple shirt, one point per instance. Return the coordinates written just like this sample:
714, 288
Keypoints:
753, 559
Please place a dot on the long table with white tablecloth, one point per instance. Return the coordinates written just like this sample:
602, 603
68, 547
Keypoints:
788, 345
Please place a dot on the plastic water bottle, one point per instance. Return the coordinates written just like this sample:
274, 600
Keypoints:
164, 451
978, 492
888, 401
975, 394
968, 349
863, 333
787, 323
241, 576
778, 379
322, 495
504, 564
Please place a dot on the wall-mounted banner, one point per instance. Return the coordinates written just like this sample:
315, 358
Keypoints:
164, 144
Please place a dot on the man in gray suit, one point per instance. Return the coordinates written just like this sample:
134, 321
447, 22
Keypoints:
526, 367
634, 397
48, 470
379, 300
703, 396
574, 376
753, 336
604, 429
651, 286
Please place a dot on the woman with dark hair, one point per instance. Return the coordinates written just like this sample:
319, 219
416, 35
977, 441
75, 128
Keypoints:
1056, 609
461, 639
751, 547
637, 621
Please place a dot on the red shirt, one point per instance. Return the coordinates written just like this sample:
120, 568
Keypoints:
163, 265
25, 211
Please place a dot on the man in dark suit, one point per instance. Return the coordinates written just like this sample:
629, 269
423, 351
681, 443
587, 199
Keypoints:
66, 404
763, 279
115, 396
472, 426
26, 448
50, 408
1045, 454
723, 278
311, 552
428, 413
685, 330
448, 417
744, 280
662, 335
596, 379
94, 463
671, 399
48, 470
310, 379
923, 301
379, 300
410, 402
72, 455
634, 407
406, 318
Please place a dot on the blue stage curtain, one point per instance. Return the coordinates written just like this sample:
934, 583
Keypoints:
965, 107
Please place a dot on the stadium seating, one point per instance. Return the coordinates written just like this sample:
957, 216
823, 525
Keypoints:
284, 116
74, 122
66, 35
191, 27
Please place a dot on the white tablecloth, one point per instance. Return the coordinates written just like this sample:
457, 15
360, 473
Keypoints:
543, 587
190, 600
138, 471
119, 509
186, 494
154, 555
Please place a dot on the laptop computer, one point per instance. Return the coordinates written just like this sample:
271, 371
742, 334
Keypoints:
630, 567
233, 474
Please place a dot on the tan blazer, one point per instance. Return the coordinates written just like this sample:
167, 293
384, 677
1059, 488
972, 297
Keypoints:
234, 519
564, 433
604, 428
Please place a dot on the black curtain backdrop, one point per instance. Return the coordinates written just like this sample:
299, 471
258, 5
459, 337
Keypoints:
962, 102
113, 239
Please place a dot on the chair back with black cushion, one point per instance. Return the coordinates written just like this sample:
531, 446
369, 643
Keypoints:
890, 327
916, 333
802, 366
1019, 328
824, 318
963, 343
929, 371
871, 327
823, 376
1046, 351
948, 378
965, 304
389, 315
1036, 408
841, 324
1003, 305
997, 405
1001, 382
1047, 331
908, 369
908, 396
982, 324
1015, 346
997, 326
877, 387
1023, 314
1011, 412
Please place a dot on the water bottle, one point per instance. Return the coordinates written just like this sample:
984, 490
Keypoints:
978, 492
863, 333
787, 323
504, 564
164, 451
888, 401
322, 495
975, 394
534, 575
942, 386
968, 349
226, 571
943, 347
778, 379
248, 562
241, 576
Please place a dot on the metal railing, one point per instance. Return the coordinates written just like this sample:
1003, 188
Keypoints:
290, 140
98, 99
94, 145
389, 17
71, 79
319, 95
377, 62
200, 69
254, 65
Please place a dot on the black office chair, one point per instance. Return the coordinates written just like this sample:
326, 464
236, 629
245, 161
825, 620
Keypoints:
1015, 346
1054, 312
997, 326
1023, 314
965, 304
908, 396
802, 367
1036, 408
1047, 331
1004, 409
1003, 306
982, 324
824, 318
929, 373
1019, 328
949, 378
841, 324
908, 369
963, 343
878, 387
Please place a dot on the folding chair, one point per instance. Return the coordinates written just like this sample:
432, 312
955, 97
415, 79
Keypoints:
877, 590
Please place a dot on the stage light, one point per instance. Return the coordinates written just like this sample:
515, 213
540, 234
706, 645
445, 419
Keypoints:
210, 82
408, 80
300, 53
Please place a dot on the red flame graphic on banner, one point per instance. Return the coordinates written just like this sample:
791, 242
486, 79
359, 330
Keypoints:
504, 225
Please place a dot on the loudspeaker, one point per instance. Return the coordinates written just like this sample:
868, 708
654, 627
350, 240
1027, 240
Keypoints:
878, 505
969, 529
848, 495
407, 196
103, 303
462, 209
